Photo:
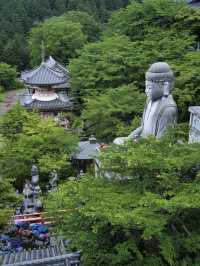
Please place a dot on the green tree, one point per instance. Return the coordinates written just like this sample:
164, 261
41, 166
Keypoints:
11, 125
17, 17
143, 33
8, 201
8, 75
146, 214
140, 16
33, 140
149, 22
187, 86
111, 114
62, 38
117, 61
89, 26
15, 52
101, 9
101, 65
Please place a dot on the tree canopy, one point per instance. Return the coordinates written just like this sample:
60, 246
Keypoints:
8, 75
8, 201
124, 54
28, 139
61, 38
17, 17
143, 205
146, 214
113, 113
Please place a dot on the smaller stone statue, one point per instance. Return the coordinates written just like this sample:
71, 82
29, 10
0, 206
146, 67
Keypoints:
81, 174
27, 191
34, 174
28, 206
160, 110
53, 182
32, 192
37, 203
18, 210
37, 190
34, 170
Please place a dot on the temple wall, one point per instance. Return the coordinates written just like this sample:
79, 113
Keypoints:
194, 133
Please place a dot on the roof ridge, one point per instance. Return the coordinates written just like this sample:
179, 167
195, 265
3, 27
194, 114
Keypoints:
60, 74
46, 68
35, 71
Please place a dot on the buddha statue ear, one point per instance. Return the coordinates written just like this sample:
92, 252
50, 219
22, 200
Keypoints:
166, 88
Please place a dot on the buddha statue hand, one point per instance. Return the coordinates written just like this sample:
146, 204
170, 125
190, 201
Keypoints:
135, 135
120, 140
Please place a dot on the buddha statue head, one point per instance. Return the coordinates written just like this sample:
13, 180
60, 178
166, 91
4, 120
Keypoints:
159, 81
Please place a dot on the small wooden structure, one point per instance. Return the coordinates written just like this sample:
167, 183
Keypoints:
86, 154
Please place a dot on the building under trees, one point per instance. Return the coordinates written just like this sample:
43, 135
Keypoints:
47, 89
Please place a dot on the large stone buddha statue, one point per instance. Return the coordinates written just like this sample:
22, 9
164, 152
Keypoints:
160, 110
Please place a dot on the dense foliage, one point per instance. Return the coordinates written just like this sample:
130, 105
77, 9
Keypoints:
8, 77
28, 140
112, 113
146, 214
136, 37
18, 16
62, 36
8, 201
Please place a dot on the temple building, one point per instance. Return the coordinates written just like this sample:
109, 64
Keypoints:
47, 89
86, 154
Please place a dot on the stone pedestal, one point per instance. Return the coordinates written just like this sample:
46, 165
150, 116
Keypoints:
194, 133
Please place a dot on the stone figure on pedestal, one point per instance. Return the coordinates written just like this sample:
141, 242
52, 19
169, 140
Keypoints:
32, 192
160, 110
27, 191
53, 182
34, 174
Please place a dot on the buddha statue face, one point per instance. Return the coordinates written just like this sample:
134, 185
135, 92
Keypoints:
159, 81
157, 89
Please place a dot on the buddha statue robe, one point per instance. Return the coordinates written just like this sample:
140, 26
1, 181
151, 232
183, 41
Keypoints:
160, 110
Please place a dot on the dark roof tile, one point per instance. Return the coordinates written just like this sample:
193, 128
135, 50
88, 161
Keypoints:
49, 72
49, 105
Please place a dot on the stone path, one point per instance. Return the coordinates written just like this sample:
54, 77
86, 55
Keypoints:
9, 101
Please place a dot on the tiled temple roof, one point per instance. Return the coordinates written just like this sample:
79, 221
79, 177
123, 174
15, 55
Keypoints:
49, 72
64, 102
53, 64
49, 105
87, 150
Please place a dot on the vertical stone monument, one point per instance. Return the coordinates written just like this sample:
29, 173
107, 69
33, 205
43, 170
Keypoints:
32, 192
194, 133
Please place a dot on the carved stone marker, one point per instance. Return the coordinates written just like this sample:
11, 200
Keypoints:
32, 191
160, 110
194, 134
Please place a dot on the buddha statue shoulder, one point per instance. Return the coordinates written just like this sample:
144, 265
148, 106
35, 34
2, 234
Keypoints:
160, 109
